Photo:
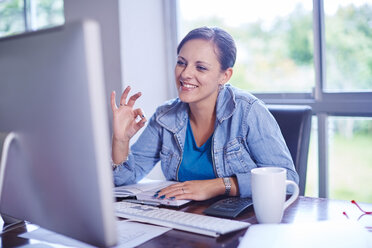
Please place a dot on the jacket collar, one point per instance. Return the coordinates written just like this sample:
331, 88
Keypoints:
175, 116
226, 103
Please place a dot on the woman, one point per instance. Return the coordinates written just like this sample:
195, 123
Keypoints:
210, 137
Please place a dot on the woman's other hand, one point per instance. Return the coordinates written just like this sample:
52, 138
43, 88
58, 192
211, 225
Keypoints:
198, 190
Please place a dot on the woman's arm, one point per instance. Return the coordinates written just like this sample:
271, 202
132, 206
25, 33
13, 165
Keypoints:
266, 142
142, 157
125, 124
198, 189
266, 146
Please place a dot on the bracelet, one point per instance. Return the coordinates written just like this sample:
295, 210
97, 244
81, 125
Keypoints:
227, 182
114, 166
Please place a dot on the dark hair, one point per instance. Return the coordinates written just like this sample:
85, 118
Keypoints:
224, 42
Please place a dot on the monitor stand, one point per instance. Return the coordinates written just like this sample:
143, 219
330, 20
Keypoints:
6, 141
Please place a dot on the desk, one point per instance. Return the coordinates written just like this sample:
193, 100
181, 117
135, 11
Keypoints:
304, 209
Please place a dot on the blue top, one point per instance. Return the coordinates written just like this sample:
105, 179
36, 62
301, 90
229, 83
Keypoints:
196, 161
246, 136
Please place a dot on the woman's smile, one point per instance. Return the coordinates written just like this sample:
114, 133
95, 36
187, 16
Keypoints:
184, 86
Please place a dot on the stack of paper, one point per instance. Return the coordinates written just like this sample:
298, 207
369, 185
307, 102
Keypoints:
144, 191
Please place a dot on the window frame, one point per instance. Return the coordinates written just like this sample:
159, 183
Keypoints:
323, 103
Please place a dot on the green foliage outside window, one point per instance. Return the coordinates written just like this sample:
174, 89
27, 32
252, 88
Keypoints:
349, 48
15, 17
11, 17
279, 58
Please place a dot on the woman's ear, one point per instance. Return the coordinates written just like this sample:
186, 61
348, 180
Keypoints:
226, 75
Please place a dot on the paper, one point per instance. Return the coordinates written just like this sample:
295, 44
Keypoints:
339, 234
142, 186
130, 234
145, 190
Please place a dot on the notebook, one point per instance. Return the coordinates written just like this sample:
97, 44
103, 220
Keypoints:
144, 191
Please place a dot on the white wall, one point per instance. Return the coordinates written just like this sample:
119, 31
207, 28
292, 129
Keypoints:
144, 51
134, 48
107, 15
144, 56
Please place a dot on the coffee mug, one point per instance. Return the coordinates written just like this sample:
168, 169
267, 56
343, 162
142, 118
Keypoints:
269, 186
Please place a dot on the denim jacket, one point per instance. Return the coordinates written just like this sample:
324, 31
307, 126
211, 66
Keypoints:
246, 136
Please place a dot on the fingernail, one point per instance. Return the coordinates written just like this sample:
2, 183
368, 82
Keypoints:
162, 197
143, 116
157, 191
172, 198
156, 195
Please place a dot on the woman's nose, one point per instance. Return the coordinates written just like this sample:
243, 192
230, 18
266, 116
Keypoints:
187, 72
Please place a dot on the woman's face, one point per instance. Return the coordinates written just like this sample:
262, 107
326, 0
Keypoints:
198, 72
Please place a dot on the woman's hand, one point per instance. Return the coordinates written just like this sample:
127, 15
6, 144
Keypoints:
194, 190
124, 117
126, 123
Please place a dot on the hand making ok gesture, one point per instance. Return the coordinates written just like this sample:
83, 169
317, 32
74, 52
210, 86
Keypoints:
126, 123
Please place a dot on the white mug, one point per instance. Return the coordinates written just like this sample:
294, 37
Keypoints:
269, 186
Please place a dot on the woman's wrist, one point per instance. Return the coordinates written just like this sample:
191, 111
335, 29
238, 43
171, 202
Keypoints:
227, 183
234, 186
118, 160
229, 186
120, 140
115, 165
120, 151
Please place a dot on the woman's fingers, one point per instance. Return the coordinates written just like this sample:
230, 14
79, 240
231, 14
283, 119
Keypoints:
133, 99
113, 103
124, 96
138, 113
175, 190
193, 190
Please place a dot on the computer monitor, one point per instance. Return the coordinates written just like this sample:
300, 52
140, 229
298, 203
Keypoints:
52, 98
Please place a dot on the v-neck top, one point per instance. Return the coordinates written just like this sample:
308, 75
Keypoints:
197, 161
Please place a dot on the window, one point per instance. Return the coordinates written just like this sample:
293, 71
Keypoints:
311, 188
350, 140
12, 17
19, 16
317, 53
275, 45
348, 26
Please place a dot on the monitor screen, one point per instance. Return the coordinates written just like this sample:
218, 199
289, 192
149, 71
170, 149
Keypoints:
52, 97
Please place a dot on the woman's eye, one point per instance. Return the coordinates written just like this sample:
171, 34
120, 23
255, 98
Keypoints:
179, 62
201, 68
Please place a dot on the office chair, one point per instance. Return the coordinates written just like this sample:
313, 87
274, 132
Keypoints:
295, 123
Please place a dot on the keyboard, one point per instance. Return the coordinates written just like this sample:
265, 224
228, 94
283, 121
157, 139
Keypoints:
196, 223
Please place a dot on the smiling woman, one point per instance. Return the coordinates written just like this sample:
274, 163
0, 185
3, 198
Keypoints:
199, 74
210, 137
305, 52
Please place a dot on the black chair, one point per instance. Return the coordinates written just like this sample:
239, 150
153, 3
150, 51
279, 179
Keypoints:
295, 123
